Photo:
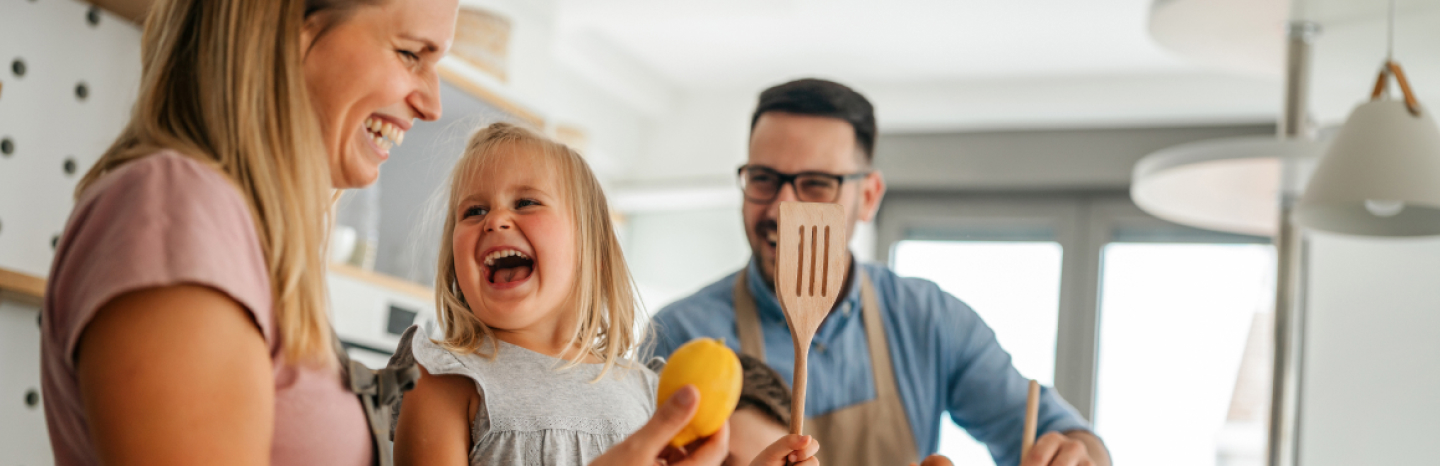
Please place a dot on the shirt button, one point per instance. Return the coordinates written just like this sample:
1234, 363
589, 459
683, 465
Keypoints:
845, 309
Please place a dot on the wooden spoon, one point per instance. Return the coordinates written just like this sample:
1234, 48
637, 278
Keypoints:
809, 271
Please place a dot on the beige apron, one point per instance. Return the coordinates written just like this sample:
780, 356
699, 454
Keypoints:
871, 433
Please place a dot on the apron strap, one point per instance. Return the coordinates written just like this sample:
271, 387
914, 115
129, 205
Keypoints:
881, 368
747, 320
377, 390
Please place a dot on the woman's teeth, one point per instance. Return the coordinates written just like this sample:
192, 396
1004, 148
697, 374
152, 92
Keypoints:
385, 134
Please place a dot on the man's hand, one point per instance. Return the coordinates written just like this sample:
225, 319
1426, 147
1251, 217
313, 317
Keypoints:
650, 443
1073, 448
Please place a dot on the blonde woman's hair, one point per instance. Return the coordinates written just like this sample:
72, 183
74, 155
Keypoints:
604, 292
223, 83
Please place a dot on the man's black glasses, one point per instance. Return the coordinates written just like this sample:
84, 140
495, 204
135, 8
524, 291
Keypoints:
762, 184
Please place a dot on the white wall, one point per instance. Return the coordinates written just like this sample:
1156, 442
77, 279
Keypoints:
48, 124
1371, 388
673, 254
703, 140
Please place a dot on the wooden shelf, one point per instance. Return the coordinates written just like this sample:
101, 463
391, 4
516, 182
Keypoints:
476, 88
20, 286
28, 288
395, 284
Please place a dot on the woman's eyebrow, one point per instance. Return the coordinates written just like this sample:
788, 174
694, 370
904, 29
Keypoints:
429, 44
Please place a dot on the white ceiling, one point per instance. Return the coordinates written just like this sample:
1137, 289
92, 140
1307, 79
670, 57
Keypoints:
741, 42
1345, 55
928, 64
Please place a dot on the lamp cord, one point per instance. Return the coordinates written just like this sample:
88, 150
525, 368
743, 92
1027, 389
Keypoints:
1390, 36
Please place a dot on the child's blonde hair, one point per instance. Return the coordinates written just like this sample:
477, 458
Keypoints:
604, 291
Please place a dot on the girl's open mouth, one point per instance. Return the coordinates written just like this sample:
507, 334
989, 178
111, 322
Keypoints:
508, 266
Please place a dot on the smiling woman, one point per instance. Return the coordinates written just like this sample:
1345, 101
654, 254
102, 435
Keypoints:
186, 319
371, 72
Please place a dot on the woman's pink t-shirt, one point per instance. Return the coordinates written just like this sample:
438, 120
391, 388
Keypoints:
164, 220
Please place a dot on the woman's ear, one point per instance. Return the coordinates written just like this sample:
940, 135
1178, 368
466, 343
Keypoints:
315, 24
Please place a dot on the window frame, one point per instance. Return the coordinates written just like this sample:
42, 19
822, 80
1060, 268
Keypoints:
1082, 222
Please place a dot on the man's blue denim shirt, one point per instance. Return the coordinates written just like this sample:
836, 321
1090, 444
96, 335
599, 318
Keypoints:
945, 358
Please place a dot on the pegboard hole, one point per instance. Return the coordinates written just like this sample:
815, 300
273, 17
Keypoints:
92, 16
69, 165
82, 91
7, 147
18, 67
32, 398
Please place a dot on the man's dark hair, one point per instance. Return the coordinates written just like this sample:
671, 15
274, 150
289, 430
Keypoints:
819, 97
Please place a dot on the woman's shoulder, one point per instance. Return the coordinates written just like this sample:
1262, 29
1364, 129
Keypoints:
165, 172
159, 220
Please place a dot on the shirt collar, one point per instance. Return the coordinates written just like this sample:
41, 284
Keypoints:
768, 305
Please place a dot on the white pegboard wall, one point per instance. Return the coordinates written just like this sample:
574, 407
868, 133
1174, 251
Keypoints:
70, 73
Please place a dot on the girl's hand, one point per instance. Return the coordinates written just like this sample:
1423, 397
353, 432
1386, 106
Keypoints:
798, 450
935, 460
646, 445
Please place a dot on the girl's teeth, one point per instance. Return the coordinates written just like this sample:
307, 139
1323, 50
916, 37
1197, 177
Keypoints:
490, 259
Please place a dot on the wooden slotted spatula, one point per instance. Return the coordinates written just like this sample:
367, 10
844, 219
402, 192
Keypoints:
809, 271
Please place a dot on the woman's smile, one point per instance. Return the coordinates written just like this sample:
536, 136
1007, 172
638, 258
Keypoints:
381, 133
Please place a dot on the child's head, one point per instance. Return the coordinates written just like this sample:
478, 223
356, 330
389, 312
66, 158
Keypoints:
528, 245
763, 414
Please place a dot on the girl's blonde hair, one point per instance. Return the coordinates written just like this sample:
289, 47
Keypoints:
223, 83
604, 292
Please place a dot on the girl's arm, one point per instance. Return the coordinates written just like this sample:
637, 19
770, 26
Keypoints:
434, 427
176, 375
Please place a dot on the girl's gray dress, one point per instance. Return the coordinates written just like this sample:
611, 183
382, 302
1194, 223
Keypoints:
534, 413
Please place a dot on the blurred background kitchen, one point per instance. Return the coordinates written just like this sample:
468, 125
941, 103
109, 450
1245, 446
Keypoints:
1101, 180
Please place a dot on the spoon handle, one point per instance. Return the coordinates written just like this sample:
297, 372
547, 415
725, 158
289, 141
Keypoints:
797, 403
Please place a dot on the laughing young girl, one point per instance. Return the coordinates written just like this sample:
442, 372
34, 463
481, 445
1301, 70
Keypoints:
538, 313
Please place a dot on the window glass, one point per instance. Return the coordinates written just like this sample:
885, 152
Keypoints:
1014, 286
1185, 346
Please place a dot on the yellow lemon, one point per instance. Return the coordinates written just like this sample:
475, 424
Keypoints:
711, 367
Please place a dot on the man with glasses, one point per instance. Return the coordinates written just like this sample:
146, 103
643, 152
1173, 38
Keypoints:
895, 354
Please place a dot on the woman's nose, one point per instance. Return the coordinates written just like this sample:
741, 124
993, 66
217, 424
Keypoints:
426, 100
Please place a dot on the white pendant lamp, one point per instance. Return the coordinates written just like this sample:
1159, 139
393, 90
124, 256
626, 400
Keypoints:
1381, 176
1234, 185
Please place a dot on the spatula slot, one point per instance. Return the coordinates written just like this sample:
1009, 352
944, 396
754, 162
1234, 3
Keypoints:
825, 268
800, 263
812, 261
